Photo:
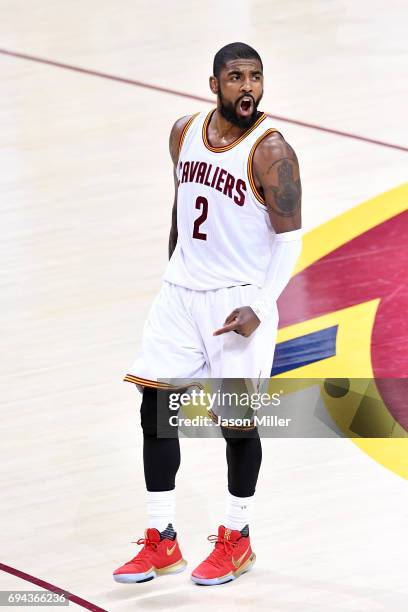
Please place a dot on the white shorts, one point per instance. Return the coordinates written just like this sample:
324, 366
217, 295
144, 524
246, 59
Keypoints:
178, 341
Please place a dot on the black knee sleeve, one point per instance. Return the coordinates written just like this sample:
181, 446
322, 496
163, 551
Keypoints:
148, 412
244, 458
161, 456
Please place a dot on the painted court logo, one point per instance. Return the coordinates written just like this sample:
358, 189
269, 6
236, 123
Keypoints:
344, 313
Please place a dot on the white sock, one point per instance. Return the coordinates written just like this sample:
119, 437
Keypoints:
237, 511
161, 508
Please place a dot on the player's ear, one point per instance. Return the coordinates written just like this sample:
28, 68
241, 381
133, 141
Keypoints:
214, 84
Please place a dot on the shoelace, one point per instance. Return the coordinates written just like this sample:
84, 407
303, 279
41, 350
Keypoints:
222, 547
147, 545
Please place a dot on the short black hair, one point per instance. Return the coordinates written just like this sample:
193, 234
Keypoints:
236, 50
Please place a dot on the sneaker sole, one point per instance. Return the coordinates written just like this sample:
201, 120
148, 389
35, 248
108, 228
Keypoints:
175, 568
245, 567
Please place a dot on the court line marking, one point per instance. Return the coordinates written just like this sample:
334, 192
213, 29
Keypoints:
51, 587
183, 94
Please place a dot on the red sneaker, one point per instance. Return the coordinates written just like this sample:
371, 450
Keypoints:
157, 557
231, 557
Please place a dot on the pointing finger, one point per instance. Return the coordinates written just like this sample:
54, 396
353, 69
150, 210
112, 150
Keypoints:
226, 328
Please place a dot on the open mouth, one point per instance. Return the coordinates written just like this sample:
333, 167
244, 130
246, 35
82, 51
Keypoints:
245, 105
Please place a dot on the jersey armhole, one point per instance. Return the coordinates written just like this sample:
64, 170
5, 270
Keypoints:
184, 132
255, 191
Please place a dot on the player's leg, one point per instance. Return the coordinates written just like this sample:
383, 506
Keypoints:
232, 554
170, 349
252, 359
232, 356
161, 461
244, 458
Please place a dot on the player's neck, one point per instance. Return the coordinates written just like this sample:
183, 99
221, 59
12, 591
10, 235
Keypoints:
224, 129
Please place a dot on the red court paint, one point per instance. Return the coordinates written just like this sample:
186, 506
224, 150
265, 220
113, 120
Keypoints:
175, 92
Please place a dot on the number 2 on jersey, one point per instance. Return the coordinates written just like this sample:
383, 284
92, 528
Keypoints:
201, 203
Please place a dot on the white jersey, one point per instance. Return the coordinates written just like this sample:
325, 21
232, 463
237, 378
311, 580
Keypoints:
224, 233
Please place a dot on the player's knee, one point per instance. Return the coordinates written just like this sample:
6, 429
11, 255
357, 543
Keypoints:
154, 414
233, 437
148, 413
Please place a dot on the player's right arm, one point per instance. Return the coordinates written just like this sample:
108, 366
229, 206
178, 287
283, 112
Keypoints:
174, 147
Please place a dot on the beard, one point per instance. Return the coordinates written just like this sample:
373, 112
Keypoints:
228, 111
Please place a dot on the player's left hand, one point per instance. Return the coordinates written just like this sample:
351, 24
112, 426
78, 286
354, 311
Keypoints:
242, 321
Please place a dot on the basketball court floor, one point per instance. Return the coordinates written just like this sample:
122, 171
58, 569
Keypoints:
89, 92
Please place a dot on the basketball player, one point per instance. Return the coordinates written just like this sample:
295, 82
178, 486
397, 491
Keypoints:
234, 241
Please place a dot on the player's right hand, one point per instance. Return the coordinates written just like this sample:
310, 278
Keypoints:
242, 321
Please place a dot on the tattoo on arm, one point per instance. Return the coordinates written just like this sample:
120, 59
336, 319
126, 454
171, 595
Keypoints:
287, 195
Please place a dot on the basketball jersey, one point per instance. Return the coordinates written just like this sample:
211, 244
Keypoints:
224, 232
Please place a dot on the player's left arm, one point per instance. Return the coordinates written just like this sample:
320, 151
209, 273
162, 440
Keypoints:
277, 178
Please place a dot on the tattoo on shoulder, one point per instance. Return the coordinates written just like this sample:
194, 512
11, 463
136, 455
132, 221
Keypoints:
286, 196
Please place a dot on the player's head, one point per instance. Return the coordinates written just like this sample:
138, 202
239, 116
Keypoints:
238, 82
